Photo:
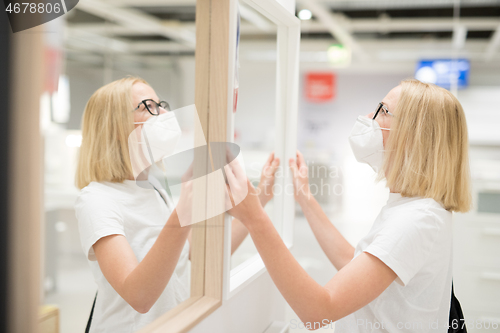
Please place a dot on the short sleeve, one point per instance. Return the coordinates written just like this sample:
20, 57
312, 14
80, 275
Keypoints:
98, 216
405, 243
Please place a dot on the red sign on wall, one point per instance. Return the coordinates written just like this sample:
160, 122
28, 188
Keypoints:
320, 87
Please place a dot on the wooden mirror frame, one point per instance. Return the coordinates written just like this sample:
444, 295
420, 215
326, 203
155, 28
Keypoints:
211, 87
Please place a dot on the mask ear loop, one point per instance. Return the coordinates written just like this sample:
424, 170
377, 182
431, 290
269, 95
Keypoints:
387, 129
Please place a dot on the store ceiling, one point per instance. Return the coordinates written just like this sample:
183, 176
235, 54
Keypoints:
377, 30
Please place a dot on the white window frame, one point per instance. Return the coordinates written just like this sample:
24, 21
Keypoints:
287, 75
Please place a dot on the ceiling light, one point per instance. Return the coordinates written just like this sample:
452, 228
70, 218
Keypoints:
305, 14
338, 54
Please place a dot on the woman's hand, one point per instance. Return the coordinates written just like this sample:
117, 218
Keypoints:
243, 196
265, 188
248, 209
300, 179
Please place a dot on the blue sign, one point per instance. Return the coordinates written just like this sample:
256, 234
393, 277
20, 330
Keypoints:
443, 72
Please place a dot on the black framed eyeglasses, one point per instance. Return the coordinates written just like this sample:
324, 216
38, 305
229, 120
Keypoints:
152, 106
382, 108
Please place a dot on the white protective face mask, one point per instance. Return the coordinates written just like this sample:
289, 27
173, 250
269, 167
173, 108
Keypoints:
367, 142
159, 136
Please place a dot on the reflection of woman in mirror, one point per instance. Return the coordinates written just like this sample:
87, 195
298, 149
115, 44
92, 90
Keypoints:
399, 276
137, 250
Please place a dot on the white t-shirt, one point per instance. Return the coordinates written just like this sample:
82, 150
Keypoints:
412, 236
104, 209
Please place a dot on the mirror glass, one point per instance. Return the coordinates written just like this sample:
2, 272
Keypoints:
89, 48
255, 118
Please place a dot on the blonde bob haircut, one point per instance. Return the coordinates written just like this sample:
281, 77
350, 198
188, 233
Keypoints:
427, 148
106, 124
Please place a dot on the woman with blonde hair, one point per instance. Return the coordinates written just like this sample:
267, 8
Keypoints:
137, 250
399, 276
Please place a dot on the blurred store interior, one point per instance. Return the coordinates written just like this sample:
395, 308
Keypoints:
351, 54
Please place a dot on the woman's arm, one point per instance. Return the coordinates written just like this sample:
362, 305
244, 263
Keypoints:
336, 247
358, 283
140, 284
354, 286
